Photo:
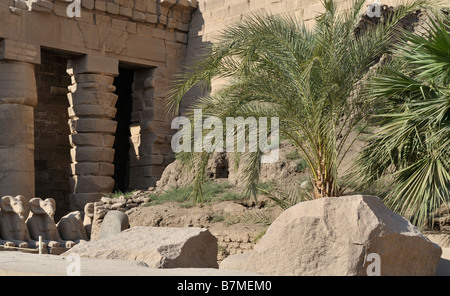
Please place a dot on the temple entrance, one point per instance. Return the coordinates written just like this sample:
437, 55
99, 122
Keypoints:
123, 84
51, 131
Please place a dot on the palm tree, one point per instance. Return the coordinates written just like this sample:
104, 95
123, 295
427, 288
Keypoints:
411, 150
309, 79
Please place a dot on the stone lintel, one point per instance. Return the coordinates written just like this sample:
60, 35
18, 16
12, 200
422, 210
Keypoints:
93, 64
20, 51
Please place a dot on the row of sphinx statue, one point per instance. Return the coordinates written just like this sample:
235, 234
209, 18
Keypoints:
22, 222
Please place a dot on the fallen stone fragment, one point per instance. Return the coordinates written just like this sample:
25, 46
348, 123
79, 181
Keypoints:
349, 235
158, 247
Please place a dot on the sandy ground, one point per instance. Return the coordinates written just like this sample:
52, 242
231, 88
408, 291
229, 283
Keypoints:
17, 263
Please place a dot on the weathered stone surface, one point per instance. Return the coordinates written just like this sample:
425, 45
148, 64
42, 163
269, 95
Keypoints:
92, 154
40, 6
113, 223
13, 230
334, 236
92, 168
20, 51
99, 78
91, 184
16, 126
40, 223
92, 86
17, 83
92, 108
140, 46
112, 8
92, 139
94, 64
79, 200
106, 200
168, 3
90, 125
18, 96
106, 169
71, 227
52, 149
92, 111
92, 98
158, 247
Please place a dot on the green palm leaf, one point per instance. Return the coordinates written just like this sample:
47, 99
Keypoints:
309, 79
412, 147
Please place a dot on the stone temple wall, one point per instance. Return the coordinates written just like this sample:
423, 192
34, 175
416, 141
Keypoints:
212, 16
59, 94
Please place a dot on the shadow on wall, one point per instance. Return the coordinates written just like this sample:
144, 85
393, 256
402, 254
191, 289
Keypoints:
196, 49
51, 131
123, 84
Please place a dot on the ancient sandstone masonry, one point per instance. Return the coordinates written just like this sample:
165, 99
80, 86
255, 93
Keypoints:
233, 241
147, 38
106, 204
92, 130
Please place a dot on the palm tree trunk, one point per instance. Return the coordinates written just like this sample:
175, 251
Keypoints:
324, 184
324, 188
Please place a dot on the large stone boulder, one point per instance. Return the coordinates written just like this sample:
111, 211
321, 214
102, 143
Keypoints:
349, 235
158, 247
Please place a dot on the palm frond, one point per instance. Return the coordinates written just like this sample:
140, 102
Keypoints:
412, 145
282, 196
275, 67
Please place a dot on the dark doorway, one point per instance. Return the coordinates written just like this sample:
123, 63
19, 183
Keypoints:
51, 131
123, 84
